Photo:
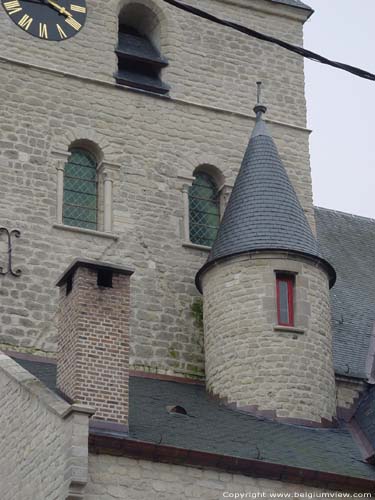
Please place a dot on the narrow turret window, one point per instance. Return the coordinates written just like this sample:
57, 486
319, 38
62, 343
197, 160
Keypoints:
80, 190
204, 210
285, 299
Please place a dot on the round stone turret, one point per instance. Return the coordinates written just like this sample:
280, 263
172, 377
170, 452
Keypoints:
268, 342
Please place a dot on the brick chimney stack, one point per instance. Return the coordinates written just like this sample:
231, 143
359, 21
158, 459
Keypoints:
93, 338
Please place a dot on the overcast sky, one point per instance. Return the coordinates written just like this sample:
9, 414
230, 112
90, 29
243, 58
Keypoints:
341, 106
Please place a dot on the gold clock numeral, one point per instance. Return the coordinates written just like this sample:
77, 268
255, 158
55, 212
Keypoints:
13, 7
73, 23
25, 22
43, 32
77, 8
61, 31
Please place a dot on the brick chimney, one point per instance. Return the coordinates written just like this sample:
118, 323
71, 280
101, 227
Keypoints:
93, 339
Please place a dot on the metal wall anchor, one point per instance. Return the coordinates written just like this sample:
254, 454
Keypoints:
16, 234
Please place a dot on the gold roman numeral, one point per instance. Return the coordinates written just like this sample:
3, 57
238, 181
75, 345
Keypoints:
77, 8
25, 22
61, 31
13, 7
43, 33
73, 23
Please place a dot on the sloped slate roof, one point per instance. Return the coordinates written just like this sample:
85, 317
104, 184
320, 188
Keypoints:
45, 372
365, 416
216, 429
348, 242
263, 212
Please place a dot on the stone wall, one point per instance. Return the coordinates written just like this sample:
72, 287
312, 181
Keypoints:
208, 64
348, 392
43, 440
65, 91
251, 363
122, 478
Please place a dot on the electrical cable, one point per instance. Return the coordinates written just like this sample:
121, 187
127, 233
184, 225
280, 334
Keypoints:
261, 36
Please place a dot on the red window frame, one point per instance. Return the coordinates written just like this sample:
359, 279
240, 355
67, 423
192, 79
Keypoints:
289, 280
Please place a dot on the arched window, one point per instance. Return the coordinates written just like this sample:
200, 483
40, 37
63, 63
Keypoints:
80, 190
204, 210
139, 60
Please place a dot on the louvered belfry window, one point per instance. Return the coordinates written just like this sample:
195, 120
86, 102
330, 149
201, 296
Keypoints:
204, 210
80, 190
139, 62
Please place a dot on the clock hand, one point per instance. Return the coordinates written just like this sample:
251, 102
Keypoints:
34, 1
58, 7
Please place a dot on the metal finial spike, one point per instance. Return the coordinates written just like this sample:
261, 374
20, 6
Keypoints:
259, 108
259, 91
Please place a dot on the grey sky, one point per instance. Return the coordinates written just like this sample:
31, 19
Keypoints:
341, 107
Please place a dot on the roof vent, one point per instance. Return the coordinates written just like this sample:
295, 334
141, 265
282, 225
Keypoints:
177, 409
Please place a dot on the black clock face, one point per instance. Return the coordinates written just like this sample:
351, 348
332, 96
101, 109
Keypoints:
54, 20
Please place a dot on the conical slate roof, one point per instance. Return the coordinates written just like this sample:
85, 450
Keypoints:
263, 212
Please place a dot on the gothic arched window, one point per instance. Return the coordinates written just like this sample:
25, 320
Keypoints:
204, 210
80, 190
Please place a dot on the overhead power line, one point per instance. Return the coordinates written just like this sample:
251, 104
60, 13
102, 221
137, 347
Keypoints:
261, 36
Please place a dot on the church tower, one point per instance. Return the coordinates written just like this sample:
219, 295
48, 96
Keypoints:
268, 344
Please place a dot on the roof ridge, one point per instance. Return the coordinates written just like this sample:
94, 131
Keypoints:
353, 216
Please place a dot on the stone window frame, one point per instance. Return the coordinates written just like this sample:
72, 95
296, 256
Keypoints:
107, 176
300, 322
289, 279
224, 191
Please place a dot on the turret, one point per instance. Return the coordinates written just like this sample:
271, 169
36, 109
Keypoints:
268, 342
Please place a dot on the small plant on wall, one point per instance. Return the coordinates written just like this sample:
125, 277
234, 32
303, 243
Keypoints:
197, 312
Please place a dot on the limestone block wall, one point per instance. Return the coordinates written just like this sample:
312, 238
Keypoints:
49, 99
208, 63
348, 392
43, 440
250, 363
119, 478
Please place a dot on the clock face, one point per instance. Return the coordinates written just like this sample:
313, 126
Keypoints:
54, 20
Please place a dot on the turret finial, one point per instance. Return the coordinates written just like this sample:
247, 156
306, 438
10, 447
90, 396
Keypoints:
259, 109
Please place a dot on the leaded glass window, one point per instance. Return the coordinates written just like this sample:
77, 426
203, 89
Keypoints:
204, 210
80, 190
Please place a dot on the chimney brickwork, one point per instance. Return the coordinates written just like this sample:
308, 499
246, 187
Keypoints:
93, 327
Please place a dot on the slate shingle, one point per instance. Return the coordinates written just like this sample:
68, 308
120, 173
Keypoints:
365, 416
348, 242
263, 212
45, 372
211, 427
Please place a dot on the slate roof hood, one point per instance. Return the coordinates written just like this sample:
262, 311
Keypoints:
263, 212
